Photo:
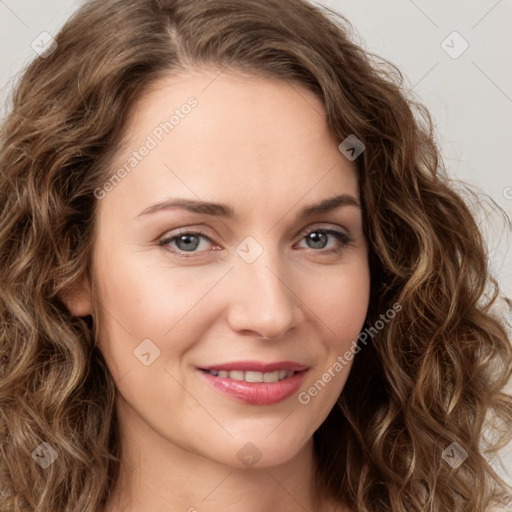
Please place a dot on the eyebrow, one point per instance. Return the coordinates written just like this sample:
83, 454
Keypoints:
225, 211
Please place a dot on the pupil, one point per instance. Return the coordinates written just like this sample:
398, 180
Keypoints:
317, 239
186, 239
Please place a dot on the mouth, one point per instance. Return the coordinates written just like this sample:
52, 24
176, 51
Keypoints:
256, 383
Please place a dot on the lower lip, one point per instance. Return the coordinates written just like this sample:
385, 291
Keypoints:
256, 393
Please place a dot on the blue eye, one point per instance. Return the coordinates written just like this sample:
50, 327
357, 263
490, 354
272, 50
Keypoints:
190, 241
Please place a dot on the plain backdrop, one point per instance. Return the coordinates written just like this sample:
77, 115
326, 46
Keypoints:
453, 55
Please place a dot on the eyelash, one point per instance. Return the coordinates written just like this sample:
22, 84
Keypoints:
342, 237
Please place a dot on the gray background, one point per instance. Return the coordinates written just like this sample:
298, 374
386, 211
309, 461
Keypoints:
470, 96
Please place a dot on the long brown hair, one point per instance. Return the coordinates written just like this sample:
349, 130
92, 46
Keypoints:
429, 378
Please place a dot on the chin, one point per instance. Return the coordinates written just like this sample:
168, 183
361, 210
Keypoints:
260, 449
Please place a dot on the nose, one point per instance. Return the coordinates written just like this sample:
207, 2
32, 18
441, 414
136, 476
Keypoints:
263, 301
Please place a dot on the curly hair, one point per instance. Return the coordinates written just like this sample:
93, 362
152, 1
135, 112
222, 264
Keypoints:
434, 375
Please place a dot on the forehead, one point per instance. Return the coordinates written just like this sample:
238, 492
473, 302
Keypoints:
243, 136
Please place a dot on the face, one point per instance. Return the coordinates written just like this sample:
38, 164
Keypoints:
222, 325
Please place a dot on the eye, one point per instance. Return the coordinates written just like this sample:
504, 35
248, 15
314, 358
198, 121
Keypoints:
318, 239
189, 241
186, 241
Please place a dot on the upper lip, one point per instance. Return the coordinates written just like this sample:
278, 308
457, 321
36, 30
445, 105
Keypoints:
257, 366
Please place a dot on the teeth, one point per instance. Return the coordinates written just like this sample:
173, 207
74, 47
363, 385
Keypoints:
253, 376
271, 376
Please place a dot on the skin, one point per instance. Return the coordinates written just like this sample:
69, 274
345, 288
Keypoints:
261, 146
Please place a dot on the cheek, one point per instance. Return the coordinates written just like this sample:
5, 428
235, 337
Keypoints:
340, 305
339, 301
156, 301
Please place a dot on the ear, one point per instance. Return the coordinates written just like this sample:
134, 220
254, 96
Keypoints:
78, 299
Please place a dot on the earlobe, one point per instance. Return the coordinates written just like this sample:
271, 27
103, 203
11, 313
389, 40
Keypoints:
78, 299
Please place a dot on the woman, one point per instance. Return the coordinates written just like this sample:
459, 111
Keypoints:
235, 277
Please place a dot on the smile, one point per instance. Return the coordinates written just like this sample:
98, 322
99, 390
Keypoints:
256, 383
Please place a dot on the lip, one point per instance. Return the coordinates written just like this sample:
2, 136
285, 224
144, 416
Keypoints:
256, 393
